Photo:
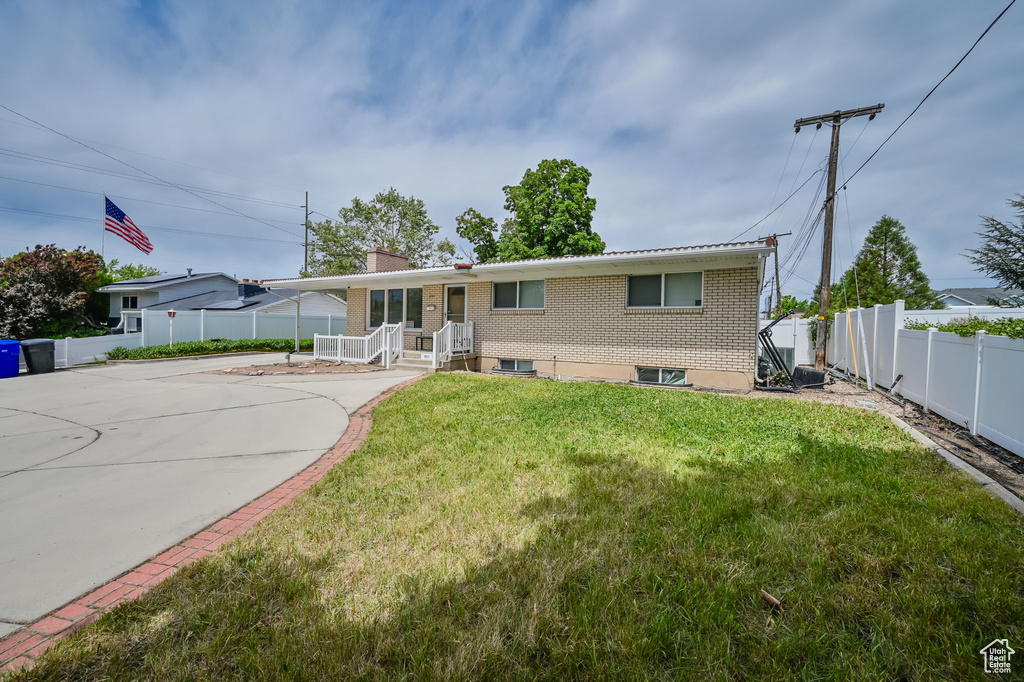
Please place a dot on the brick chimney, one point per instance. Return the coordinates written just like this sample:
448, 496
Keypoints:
385, 260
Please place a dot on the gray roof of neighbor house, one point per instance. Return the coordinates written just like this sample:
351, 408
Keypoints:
215, 300
980, 295
156, 282
633, 262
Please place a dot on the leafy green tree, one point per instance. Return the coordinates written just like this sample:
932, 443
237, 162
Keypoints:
792, 303
886, 269
46, 291
390, 221
551, 215
1001, 255
120, 273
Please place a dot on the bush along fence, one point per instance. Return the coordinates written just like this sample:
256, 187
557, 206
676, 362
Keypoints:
972, 378
195, 325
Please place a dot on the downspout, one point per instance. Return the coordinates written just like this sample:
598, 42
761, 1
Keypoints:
757, 308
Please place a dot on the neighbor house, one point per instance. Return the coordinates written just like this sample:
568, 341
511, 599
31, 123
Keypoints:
672, 316
980, 296
208, 291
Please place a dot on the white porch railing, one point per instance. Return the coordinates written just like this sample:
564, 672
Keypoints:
360, 348
455, 338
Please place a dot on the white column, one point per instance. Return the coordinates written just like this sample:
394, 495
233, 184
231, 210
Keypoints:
979, 342
928, 366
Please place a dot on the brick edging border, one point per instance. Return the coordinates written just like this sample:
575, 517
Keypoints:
20, 648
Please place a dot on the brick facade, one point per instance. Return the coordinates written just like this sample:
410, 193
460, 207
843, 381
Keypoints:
585, 328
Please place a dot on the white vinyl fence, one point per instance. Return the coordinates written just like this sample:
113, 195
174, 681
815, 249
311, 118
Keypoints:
975, 382
793, 333
194, 325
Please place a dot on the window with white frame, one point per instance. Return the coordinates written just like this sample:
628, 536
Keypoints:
395, 306
660, 375
129, 302
510, 365
668, 290
525, 294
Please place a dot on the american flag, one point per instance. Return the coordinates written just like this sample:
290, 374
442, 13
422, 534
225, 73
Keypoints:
121, 225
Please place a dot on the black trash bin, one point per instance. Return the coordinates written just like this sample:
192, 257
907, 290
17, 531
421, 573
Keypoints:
38, 355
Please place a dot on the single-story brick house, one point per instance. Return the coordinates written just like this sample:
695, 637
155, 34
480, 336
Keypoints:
675, 315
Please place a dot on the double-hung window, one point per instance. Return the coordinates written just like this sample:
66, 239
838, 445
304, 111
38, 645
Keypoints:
522, 295
669, 290
396, 306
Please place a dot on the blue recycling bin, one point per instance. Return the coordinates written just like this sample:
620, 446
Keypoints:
9, 351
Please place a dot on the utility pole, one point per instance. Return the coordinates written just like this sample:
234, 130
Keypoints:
305, 258
778, 284
836, 119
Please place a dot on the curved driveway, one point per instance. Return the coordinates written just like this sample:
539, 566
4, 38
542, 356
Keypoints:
103, 467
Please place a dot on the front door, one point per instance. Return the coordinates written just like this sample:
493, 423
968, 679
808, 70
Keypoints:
455, 303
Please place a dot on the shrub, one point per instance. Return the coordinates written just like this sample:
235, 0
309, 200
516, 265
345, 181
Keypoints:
207, 348
967, 326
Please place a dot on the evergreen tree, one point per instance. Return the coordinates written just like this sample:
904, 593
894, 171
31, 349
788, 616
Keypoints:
886, 269
1001, 255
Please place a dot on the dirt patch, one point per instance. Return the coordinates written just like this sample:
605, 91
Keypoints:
981, 453
300, 367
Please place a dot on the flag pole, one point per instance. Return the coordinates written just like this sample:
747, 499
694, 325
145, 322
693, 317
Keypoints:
103, 234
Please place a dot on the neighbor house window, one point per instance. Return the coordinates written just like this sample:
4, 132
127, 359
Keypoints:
528, 294
660, 375
396, 306
129, 302
508, 365
670, 290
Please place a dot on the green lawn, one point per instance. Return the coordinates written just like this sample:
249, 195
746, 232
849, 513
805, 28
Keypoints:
497, 528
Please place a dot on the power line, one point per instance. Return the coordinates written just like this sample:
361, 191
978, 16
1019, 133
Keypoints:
161, 158
25, 156
139, 170
777, 207
923, 100
81, 219
144, 201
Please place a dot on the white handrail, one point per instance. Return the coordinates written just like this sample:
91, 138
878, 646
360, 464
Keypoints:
453, 338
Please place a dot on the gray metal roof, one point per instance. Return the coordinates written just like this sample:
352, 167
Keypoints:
980, 295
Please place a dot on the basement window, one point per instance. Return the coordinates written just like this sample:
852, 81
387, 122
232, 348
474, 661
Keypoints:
506, 365
661, 376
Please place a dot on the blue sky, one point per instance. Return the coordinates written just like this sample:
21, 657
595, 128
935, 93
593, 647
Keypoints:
683, 113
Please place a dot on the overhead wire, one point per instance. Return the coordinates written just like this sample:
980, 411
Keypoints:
930, 92
144, 201
25, 156
82, 219
139, 170
792, 192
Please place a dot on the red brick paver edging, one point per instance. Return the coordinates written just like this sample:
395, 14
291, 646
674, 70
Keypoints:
20, 648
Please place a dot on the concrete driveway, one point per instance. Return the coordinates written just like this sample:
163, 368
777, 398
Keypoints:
103, 467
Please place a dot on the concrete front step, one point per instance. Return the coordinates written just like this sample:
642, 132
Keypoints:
411, 362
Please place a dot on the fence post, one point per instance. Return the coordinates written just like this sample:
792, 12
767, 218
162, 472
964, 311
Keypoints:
898, 321
254, 325
979, 341
202, 324
928, 367
142, 318
874, 345
329, 330
67, 351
